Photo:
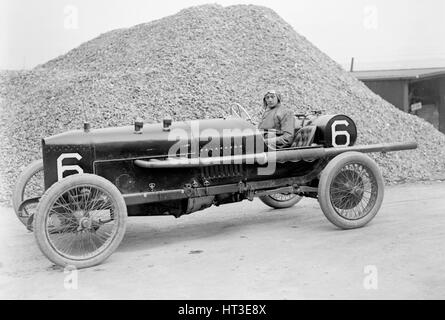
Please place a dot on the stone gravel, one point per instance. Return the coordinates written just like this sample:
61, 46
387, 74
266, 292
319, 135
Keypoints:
194, 65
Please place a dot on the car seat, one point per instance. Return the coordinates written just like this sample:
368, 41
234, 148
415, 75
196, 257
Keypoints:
304, 137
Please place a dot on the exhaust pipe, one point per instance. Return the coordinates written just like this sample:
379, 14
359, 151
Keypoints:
310, 153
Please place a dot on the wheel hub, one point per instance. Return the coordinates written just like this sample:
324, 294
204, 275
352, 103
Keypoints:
85, 223
349, 189
357, 191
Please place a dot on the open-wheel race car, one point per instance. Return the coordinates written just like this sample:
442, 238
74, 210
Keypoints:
92, 179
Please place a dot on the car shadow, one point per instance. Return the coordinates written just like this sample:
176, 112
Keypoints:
144, 233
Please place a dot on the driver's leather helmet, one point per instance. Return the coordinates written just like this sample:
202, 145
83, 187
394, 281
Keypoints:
277, 94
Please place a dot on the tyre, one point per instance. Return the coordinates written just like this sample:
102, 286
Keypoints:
281, 200
350, 191
80, 221
29, 184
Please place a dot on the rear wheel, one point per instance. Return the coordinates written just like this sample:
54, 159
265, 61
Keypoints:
350, 191
281, 200
30, 184
80, 221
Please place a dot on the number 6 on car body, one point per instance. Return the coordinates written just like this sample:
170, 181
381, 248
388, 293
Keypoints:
340, 133
61, 168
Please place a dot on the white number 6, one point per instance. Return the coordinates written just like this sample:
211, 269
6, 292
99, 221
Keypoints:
335, 133
61, 168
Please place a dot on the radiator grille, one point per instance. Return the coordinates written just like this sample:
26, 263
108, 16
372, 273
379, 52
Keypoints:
222, 171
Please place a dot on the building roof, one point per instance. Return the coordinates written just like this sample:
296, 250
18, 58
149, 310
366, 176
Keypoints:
399, 74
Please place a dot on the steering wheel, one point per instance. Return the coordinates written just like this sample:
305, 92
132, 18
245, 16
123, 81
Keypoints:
239, 111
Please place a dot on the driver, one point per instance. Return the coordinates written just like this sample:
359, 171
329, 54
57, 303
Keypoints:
277, 117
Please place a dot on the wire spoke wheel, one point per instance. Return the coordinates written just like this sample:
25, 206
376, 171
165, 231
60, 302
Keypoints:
30, 184
281, 200
81, 221
283, 196
353, 191
79, 226
34, 188
350, 190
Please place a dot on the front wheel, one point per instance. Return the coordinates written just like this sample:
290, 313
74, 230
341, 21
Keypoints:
350, 191
281, 200
80, 221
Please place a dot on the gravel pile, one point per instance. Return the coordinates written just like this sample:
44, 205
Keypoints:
193, 65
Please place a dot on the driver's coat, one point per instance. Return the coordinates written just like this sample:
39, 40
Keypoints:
281, 119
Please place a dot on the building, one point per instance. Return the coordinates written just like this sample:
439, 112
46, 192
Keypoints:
417, 91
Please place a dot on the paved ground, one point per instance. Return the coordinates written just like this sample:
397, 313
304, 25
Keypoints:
248, 251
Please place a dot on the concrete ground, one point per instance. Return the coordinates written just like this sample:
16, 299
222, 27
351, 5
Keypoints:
249, 251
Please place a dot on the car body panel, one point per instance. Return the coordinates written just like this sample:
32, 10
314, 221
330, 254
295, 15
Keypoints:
162, 167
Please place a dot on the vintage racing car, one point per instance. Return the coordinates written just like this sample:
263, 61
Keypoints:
76, 199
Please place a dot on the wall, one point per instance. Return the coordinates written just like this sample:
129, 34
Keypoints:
441, 91
396, 93
393, 91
